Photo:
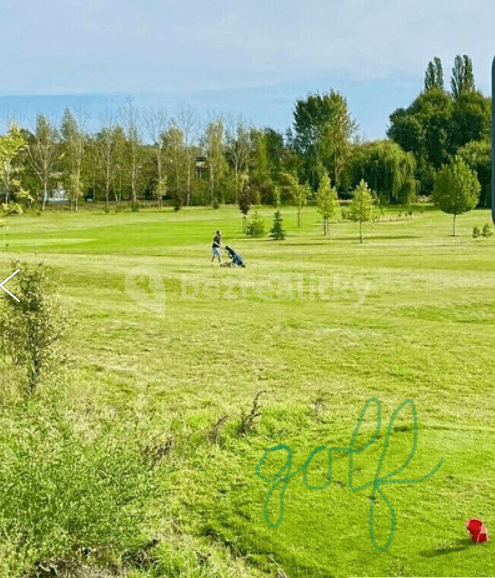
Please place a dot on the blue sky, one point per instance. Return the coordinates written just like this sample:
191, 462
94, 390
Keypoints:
254, 58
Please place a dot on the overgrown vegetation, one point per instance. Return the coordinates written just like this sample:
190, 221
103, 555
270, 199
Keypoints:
33, 325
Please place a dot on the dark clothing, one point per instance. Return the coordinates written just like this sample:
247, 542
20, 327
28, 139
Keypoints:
236, 258
217, 240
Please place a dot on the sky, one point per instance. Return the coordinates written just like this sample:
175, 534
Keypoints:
253, 59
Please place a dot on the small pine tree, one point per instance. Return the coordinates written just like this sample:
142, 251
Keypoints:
487, 230
277, 233
256, 226
476, 232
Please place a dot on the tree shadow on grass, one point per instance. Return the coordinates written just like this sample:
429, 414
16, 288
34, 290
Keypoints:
463, 544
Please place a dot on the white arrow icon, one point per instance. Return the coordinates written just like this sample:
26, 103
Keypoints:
6, 290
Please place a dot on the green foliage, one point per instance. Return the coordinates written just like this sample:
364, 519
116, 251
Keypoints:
476, 232
487, 230
215, 204
11, 146
456, 189
32, 329
245, 196
361, 207
256, 226
477, 155
277, 233
65, 494
462, 76
260, 165
327, 201
9, 209
299, 193
434, 74
323, 128
388, 168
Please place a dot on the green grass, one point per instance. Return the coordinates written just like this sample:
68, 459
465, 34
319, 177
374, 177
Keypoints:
425, 331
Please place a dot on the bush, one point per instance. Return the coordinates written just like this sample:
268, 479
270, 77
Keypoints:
65, 494
256, 226
487, 230
135, 207
215, 204
476, 232
31, 330
11, 209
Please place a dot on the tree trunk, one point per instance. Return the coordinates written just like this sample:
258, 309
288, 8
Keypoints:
360, 232
298, 217
188, 197
453, 226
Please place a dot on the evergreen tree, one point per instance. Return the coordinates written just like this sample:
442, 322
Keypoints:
277, 233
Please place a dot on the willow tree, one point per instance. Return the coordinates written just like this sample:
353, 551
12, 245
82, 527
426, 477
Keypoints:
387, 168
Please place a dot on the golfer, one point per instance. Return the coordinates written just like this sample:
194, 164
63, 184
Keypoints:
215, 247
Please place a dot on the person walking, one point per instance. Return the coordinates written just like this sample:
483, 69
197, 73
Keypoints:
216, 247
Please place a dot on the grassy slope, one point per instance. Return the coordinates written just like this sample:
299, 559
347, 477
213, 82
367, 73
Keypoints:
425, 331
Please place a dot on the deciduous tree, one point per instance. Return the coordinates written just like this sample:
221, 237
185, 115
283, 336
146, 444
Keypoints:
327, 201
456, 189
42, 153
361, 207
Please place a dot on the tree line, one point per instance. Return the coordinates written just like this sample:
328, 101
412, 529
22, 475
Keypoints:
228, 160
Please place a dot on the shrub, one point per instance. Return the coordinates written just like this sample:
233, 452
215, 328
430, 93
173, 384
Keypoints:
11, 209
135, 207
65, 494
487, 230
277, 233
476, 232
215, 204
256, 226
31, 330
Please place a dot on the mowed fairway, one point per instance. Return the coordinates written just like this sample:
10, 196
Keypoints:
424, 330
